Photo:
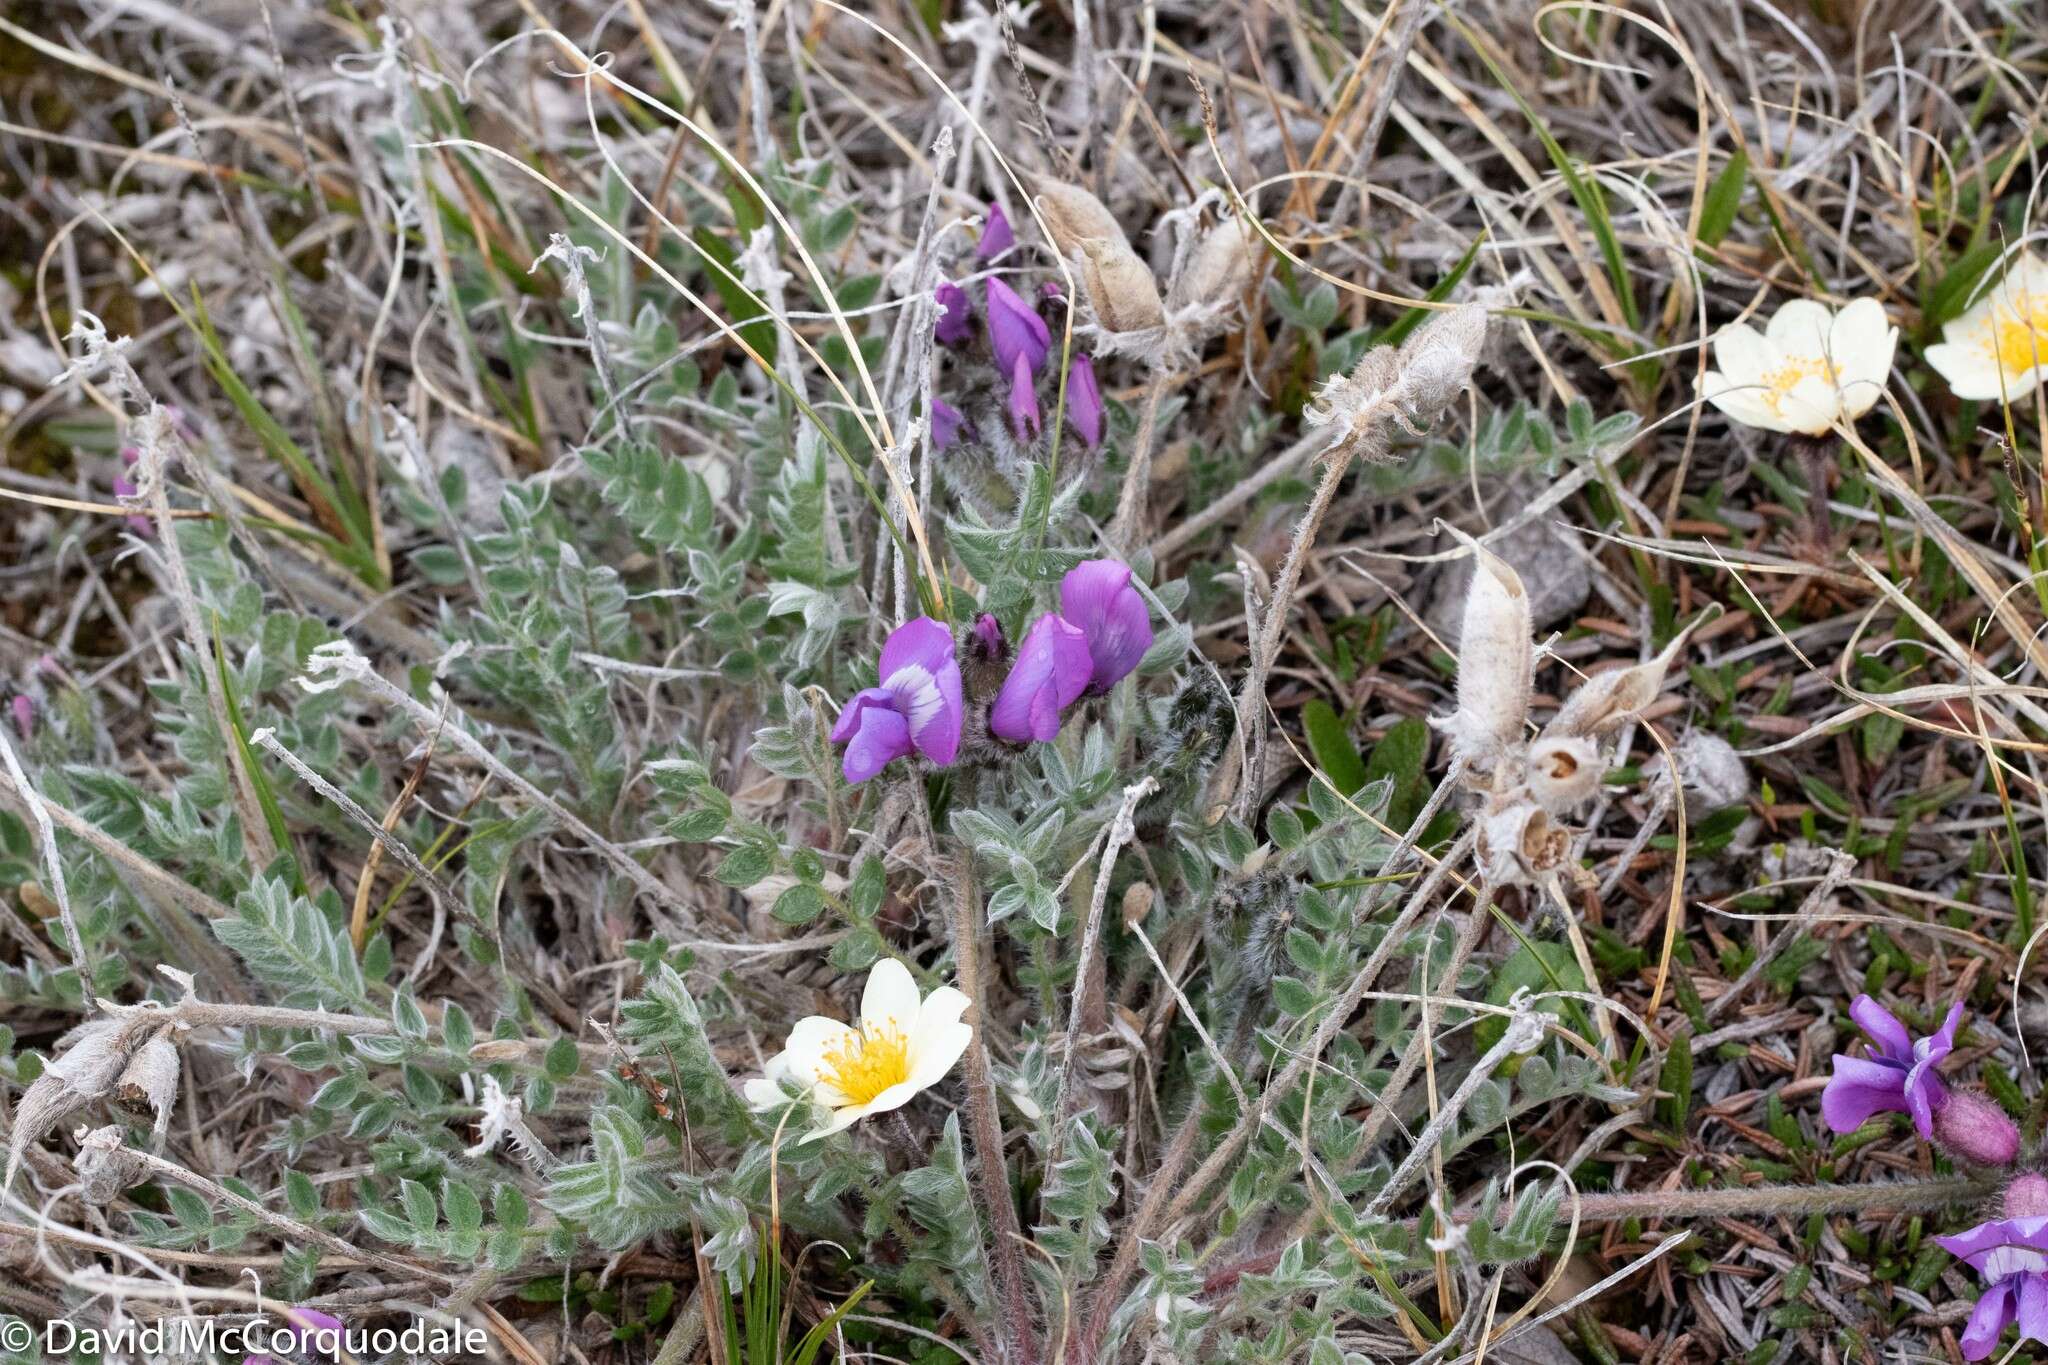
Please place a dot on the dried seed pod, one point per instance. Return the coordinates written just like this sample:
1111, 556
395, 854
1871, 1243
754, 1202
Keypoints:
1495, 659
1072, 216
1518, 843
1564, 770
1357, 403
1119, 286
1217, 271
149, 1083
88, 1068
105, 1166
1606, 701
1138, 897
1436, 362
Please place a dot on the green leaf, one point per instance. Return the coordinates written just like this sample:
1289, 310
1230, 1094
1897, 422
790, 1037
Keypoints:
1334, 752
1401, 757
1536, 966
1724, 197
419, 1207
562, 1059
465, 1211
800, 904
290, 944
744, 866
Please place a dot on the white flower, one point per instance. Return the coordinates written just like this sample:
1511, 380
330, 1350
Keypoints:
1805, 370
905, 1043
1999, 347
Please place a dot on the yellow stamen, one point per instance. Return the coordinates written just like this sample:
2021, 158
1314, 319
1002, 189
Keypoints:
867, 1061
2019, 335
1781, 381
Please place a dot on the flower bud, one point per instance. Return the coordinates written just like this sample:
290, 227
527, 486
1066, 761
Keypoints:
1564, 771
2026, 1196
1972, 1127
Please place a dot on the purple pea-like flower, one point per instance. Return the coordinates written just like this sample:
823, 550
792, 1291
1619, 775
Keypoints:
996, 236
946, 424
1015, 330
125, 487
2011, 1254
306, 1326
1025, 422
1899, 1076
24, 712
955, 323
1050, 673
1084, 401
918, 708
1097, 597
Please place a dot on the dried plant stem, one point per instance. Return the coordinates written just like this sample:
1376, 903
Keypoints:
1790, 1200
1251, 702
290, 1227
452, 727
1281, 466
1127, 528
1166, 1180
983, 1118
46, 840
1121, 832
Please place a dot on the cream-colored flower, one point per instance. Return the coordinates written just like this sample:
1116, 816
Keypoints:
1807, 368
1999, 347
905, 1043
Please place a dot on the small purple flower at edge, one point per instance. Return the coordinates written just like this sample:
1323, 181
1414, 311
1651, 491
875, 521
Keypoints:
996, 235
306, 1323
918, 707
1015, 330
1097, 596
2011, 1254
955, 323
1900, 1075
1084, 401
1025, 422
946, 423
24, 712
1051, 672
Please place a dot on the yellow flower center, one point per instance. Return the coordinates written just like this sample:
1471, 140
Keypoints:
1781, 381
2019, 338
867, 1061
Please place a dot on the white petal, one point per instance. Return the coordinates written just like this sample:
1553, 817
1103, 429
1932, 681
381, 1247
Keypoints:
895, 1097
1862, 342
2020, 385
1745, 404
1801, 327
763, 1094
842, 1119
1966, 366
936, 1052
891, 999
809, 1041
1743, 354
917, 692
1810, 406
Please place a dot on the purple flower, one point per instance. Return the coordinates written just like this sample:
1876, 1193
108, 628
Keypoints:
24, 712
946, 423
956, 317
2012, 1256
1050, 672
124, 487
917, 708
996, 236
1899, 1076
1025, 423
306, 1325
1084, 401
1016, 332
1097, 596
